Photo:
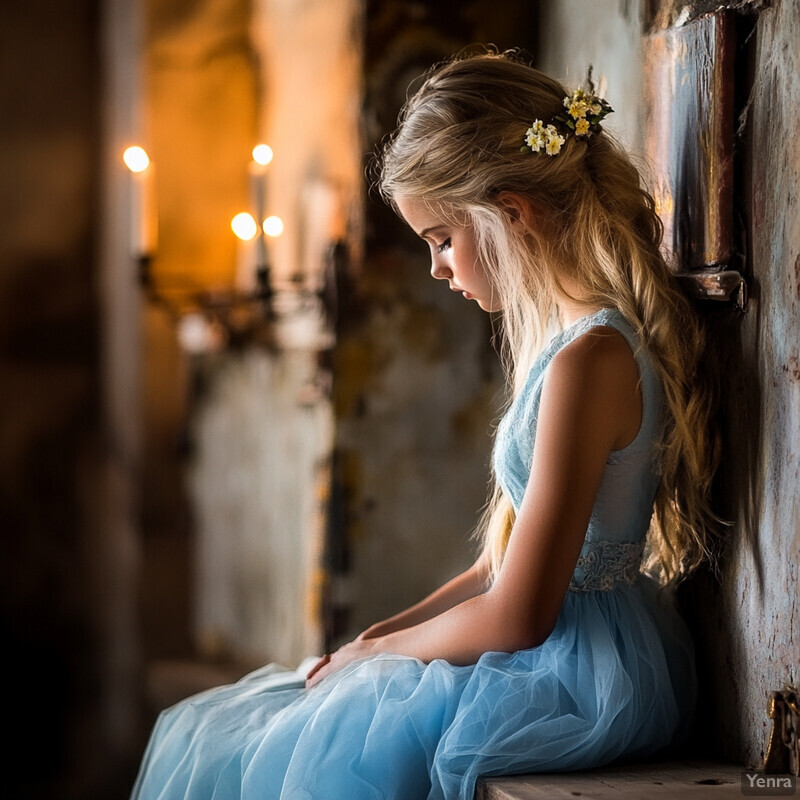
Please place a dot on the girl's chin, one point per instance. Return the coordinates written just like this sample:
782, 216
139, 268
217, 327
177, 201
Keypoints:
486, 306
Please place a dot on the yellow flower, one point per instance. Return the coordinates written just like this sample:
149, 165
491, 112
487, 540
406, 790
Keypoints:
536, 128
578, 109
553, 147
582, 127
554, 141
534, 136
596, 108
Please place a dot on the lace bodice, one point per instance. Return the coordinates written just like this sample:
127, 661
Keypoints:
614, 542
604, 564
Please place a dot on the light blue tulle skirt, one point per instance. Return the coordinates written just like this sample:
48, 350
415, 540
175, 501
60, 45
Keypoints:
614, 680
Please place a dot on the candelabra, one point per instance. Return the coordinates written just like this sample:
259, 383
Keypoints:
208, 319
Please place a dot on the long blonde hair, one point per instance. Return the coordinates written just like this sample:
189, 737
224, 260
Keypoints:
457, 148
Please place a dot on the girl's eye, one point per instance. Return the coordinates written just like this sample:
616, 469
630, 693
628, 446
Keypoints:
445, 245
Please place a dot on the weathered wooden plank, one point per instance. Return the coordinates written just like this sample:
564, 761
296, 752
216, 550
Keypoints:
689, 102
675, 779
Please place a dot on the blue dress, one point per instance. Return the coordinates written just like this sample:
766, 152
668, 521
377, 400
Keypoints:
615, 678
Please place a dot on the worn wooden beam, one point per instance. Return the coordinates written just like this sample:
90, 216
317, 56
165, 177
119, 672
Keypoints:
674, 779
689, 73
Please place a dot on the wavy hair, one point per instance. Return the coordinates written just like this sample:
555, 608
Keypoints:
457, 149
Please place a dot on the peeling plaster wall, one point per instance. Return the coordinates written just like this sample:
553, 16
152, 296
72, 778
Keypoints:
748, 632
197, 106
418, 384
201, 109
310, 75
262, 427
261, 452
606, 34
754, 632
415, 427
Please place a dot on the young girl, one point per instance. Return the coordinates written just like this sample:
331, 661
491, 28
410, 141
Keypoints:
554, 651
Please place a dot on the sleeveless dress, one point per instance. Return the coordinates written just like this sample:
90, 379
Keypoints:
614, 680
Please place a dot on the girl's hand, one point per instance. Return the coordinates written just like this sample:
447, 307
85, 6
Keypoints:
328, 664
317, 667
371, 632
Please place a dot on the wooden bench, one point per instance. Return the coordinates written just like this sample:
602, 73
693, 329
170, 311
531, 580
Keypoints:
668, 779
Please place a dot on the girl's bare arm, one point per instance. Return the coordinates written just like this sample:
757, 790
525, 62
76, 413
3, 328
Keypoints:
468, 584
589, 406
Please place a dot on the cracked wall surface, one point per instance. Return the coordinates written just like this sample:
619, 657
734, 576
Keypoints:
753, 641
747, 621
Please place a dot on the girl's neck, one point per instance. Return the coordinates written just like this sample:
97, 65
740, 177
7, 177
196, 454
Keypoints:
572, 305
570, 310
574, 312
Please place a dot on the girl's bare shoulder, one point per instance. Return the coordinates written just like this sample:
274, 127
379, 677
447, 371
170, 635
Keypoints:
602, 354
595, 379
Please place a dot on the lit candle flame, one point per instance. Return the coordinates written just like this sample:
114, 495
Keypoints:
273, 226
262, 154
244, 226
142, 202
136, 159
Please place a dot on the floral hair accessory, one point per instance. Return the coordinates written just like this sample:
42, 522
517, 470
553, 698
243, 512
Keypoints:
540, 137
585, 112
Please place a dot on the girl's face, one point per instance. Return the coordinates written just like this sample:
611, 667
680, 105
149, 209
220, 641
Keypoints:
453, 253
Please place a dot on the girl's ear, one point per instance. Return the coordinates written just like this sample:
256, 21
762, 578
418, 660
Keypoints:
519, 209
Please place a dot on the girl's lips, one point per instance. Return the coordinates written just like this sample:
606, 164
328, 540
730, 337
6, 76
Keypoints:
467, 295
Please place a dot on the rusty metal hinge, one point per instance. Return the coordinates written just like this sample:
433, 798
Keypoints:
716, 284
783, 745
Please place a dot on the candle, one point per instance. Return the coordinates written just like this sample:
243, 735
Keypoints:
143, 216
245, 228
273, 226
262, 156
323, 226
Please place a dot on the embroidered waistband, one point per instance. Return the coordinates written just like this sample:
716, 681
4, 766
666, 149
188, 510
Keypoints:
604, 564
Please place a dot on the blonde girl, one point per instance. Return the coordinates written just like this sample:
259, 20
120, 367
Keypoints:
555, 650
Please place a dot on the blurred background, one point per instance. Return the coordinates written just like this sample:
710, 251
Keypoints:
225, 442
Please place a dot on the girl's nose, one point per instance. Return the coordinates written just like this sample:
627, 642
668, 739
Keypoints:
439, 270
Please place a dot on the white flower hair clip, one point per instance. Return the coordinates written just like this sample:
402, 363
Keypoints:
585, 112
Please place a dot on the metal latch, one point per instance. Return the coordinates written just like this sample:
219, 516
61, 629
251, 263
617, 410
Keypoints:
783, 745
716, 283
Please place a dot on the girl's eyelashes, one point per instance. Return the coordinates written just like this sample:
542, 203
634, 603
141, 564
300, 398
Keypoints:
445, 245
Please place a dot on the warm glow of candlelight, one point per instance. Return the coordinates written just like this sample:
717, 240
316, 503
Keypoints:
273, 226
142, 202
136, 159
262, 154
244, 226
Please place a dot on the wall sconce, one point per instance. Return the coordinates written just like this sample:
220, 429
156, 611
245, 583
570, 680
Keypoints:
252, 260
207, 320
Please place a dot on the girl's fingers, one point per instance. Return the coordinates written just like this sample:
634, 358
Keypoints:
317, 674
318, 666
